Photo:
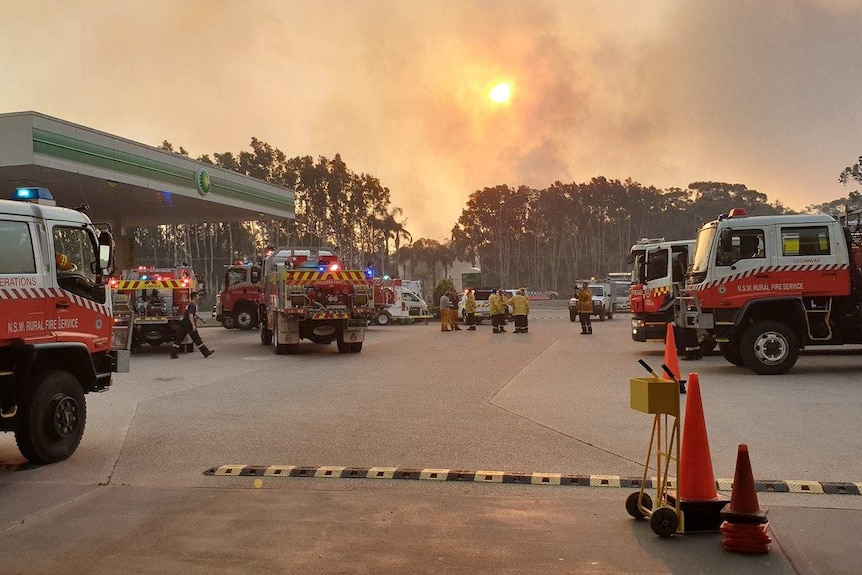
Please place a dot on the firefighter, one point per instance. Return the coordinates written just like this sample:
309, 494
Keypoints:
470, 309
498, 311
520, 309
64, 264
453, 313
585, 308
444, 312
188, 327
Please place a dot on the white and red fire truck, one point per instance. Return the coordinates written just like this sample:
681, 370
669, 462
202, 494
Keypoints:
768, 286
239, 301
159, 296
656, 267
394, 302
57, 337
315, 300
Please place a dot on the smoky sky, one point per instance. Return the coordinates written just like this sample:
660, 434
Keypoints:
664, 92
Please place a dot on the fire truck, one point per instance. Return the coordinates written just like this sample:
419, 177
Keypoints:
316, 300
394, 302
238, 302
656, 267
769, 286
59, 338
159, 296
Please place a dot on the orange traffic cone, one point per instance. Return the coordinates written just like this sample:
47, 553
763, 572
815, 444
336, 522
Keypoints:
670, 358
696, 479
700, 503
745, 527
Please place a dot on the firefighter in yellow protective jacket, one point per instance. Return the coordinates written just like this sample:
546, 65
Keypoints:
498, 311
470, 309
585, 308
520, 309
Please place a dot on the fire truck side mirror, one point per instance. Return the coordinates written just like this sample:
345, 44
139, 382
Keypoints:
106, 252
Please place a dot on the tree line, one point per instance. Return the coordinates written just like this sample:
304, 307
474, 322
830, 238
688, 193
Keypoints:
519, 236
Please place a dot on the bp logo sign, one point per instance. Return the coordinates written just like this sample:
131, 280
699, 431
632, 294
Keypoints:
202, 181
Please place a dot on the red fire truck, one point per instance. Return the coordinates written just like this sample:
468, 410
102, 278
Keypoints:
239, 301
657, 265
768, 286
57, 336
159, 297
314, 300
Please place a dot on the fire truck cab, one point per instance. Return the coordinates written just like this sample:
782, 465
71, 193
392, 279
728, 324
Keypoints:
238, 301
768, 286
657, 266
57, 337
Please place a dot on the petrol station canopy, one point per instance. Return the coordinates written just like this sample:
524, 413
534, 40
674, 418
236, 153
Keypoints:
124, 182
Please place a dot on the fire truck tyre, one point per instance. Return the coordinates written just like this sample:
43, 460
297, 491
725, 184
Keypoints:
51, 421
244, 318
769, 348
228, 321
383, 318
731, 353
265, 336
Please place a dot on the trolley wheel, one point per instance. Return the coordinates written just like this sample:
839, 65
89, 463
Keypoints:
632, 504
664, 521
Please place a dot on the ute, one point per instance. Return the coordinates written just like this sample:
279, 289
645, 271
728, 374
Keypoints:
60, 336
394, 301
315, 300
767, 287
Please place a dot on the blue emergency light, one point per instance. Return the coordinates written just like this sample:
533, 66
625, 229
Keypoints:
34, 195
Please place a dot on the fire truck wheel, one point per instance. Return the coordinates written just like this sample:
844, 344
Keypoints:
51, 420
244, 319
265, 336
383, 318
228, 321
731, 353
769, 348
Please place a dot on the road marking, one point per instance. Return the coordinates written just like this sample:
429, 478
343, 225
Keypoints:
536, 478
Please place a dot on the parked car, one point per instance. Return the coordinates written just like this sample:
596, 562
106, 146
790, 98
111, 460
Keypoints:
541, 293
482, 311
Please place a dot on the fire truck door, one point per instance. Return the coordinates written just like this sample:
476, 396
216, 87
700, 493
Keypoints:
77, 307
743, 264
23, 304
657, 279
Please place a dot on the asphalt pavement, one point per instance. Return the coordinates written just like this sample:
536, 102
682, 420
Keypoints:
140, 495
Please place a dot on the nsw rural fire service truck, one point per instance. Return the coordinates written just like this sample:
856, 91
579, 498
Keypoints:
239, 301
316, 300
768, 286
657, 266
159, 297
57, 336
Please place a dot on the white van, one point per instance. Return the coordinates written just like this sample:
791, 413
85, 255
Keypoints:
482, 311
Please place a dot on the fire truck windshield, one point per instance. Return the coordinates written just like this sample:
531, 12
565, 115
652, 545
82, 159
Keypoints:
702, 250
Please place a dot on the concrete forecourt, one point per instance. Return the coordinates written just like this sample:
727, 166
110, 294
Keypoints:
401, 458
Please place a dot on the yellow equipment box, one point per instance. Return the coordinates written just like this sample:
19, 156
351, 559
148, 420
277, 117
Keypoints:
654, 395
